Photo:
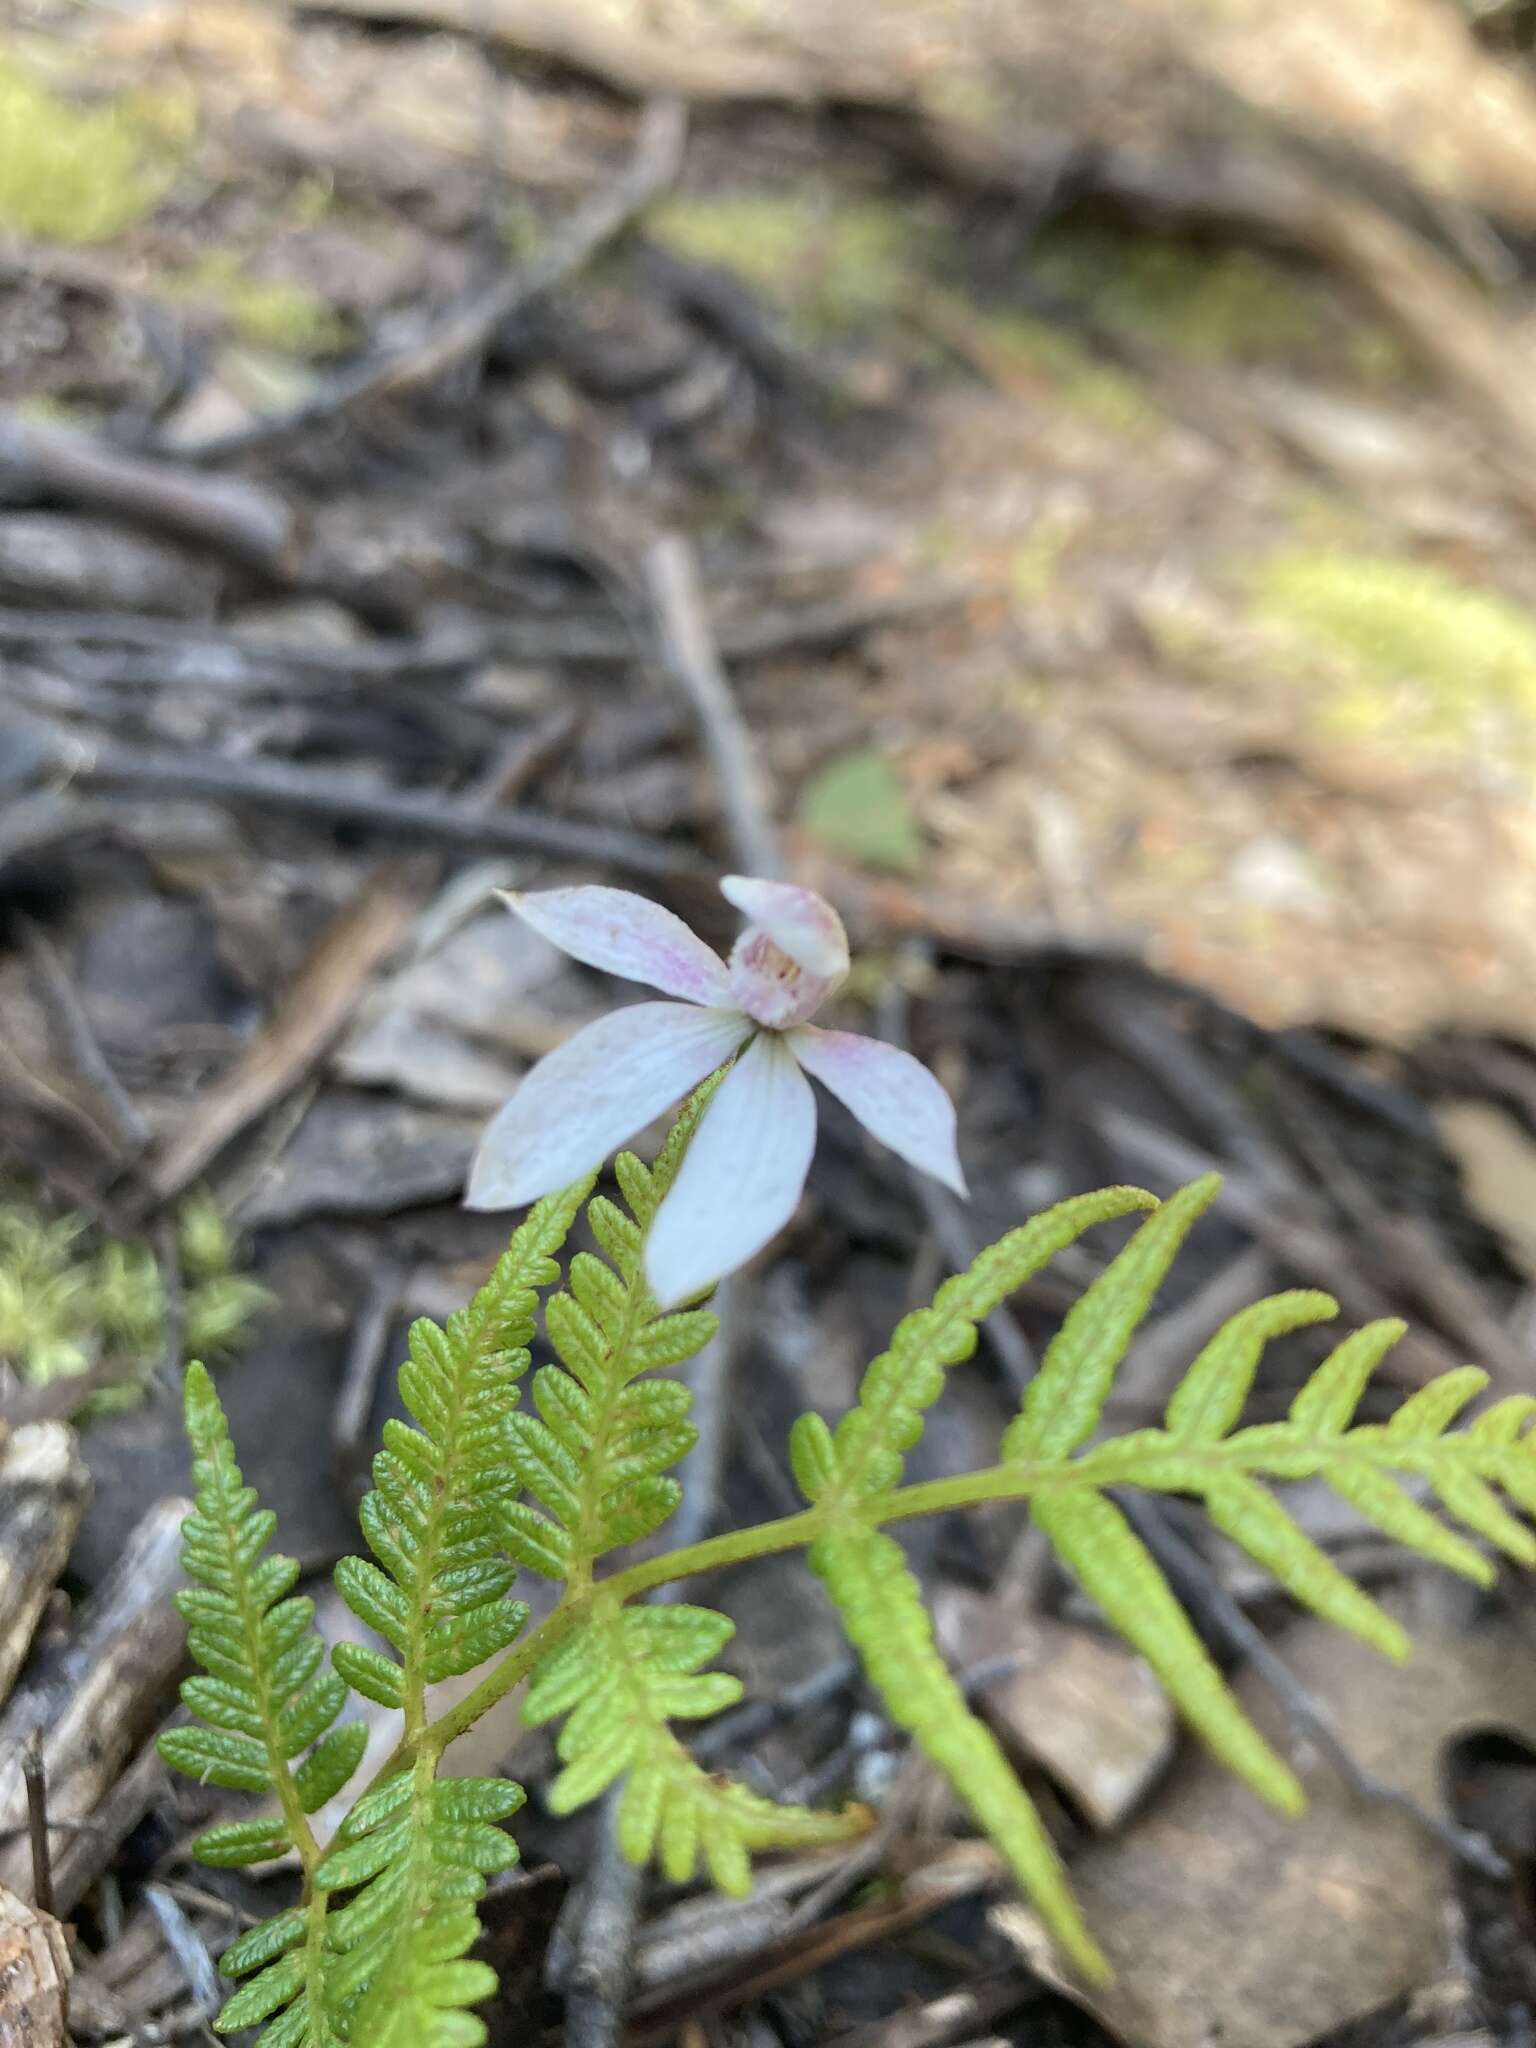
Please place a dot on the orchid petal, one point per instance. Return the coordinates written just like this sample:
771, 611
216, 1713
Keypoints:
741, 1176
893, 1096
799, 921
624, 934
583, 1100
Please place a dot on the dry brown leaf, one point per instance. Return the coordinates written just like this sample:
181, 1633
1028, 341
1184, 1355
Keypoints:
1351, 1899
1078, 1702
1498, 1166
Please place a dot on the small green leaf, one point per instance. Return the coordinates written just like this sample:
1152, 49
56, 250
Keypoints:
1066, 1396
812, 1456
1115, 1568
1326, 1404
235, 1842
265, 1943
1257, 1524
857, 805
1382, 1501
369, 1672
1209, 1399
263, 1995
215, 1757
881, 1608
329, 1765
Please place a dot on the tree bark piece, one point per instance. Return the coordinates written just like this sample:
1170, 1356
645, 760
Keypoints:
34, 1977
131, 1644
43, 1489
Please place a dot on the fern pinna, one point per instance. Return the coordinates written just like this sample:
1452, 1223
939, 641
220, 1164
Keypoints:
376, 1952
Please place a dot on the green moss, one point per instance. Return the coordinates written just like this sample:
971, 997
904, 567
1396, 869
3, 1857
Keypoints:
70, 1298
76, 173
1213, 305
834, 265
1405, 650
1033, 564
263, 312
1097, 390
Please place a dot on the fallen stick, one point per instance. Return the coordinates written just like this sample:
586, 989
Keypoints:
604, 47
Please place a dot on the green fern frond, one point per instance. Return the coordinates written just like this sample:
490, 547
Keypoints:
598, 1453
265, 1721
863, 1457
415, 1852
881, 1607
850, 1474
620, 1680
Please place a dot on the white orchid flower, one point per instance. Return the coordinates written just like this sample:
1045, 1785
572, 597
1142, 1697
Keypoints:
743, 1172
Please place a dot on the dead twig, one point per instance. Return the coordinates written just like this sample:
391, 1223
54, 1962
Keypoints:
451, 339
946, 2020
34, 1773
692, 662
959, 1870
43, 1489
81, 1043
225, 515
414, 814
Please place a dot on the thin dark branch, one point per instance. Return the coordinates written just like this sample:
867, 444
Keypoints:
35, 1776
81, 1043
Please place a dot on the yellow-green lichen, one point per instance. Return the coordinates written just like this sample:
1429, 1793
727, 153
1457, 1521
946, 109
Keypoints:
267, 313
71, 1299
1033, 563
833, 265
1405, 652
73, 172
